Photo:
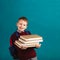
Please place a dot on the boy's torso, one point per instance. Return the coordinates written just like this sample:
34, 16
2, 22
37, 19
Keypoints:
29, 52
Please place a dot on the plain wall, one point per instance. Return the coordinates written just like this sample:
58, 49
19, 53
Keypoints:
44, 19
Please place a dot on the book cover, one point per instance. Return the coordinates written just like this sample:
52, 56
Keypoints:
30, 41
19, 44
31, 37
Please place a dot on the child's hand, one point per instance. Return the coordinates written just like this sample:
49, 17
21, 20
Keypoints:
23, 47
37, 45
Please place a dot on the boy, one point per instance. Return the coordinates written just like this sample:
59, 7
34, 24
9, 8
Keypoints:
22, 53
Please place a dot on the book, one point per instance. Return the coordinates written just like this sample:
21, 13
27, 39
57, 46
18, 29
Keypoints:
28, 40
19, 44
31, 37
32, 41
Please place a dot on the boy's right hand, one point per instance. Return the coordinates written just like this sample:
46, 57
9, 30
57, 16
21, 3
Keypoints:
23, 47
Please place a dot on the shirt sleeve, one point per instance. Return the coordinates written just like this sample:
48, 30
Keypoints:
13, 38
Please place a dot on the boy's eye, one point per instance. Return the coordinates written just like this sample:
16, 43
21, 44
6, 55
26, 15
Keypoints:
24, 25
20, 23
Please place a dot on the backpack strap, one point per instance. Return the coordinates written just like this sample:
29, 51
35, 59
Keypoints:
17, 34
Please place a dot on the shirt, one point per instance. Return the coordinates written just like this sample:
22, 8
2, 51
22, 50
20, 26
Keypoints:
22, 54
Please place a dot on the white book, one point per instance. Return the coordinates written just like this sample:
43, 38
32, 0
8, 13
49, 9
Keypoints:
32, 41
19, 44
31, 37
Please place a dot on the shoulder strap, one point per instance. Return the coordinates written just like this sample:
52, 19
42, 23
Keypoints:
17, 34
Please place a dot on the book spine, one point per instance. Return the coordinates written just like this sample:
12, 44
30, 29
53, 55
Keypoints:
33, 41
30, 39
17, 43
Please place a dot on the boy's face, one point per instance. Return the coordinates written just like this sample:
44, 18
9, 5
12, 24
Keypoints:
22, 25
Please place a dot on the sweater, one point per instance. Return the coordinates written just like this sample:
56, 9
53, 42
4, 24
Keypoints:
22, 54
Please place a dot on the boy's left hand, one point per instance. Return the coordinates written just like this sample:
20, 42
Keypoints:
37, 45
23, 47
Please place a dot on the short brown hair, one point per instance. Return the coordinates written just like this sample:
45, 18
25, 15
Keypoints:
23, 18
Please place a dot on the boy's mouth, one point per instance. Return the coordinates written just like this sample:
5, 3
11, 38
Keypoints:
20, 28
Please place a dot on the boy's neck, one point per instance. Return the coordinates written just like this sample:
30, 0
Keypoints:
19, 31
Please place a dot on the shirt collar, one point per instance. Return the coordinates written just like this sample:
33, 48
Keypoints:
20, 31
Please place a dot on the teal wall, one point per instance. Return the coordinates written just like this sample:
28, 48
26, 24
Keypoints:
44, 19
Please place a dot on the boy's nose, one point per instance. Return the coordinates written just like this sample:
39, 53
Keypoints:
21, 25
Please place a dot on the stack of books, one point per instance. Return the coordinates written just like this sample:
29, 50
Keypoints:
28, 40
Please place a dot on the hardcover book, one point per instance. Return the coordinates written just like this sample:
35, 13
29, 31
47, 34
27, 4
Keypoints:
30, 41
19, 44
31, 37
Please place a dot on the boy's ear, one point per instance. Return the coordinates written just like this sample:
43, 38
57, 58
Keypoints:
26, 27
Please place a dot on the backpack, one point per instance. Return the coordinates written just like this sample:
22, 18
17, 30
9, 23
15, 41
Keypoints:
13, 50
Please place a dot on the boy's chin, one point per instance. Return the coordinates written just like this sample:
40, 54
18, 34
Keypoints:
21, 30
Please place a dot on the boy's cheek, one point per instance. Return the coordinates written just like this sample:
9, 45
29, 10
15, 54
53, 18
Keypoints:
25, 27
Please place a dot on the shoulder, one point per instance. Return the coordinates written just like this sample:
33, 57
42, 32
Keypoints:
28, 32
13, 34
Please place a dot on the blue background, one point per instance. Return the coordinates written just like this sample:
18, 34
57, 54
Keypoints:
44, 19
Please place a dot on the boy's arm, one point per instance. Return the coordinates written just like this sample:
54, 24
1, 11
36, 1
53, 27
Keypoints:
12, 39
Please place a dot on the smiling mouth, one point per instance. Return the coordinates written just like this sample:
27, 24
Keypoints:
21, 28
